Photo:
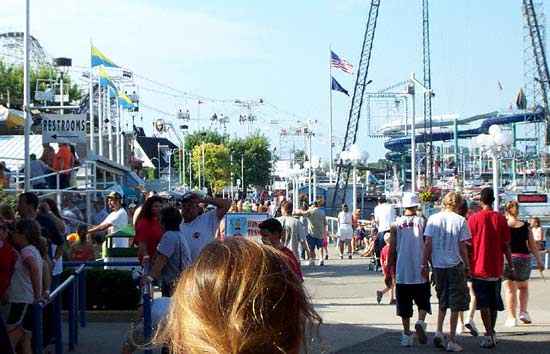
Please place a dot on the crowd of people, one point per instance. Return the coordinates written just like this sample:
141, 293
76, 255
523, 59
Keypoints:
469, 249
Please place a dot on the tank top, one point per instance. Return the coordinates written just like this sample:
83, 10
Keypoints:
21, 290
410, 246
520, 236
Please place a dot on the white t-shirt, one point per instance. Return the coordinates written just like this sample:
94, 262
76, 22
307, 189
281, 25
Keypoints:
345, 230
410, 247
200, 231
384, 215
118, 219
446, 229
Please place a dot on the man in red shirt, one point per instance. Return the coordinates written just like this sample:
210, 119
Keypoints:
271, 231
490, 240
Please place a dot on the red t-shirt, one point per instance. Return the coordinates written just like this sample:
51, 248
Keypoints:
293, 262
8, 257
489, 235
148, 231
384, 261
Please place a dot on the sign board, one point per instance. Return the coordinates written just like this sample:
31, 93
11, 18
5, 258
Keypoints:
532, 198
64, 128
244, 225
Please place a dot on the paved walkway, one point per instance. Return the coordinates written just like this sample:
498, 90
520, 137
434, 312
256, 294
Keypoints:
344, 294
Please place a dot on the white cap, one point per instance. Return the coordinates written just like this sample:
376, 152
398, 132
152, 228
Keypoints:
409, 200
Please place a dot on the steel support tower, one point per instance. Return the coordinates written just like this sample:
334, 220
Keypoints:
356, 104
428, 143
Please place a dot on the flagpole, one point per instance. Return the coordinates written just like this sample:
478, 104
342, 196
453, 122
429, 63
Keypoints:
100, 118
198, 116
110, 123
118, 137
331, 143
91, 104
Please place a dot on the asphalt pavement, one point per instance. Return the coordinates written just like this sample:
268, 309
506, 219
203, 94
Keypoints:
344, 294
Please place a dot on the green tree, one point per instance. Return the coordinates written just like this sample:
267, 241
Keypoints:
256, 155
11, 80
300, 157
216, 165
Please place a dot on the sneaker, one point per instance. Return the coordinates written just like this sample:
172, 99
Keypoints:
379, 296
341, 256
472, 327
406, 340
511, 322
453, 347
321, 263
349, 256
439, 340
524, 317
420, 328
326, 257
487, 342
393, 302
459, 329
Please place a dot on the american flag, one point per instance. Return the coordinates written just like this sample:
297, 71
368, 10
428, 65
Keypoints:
336, 62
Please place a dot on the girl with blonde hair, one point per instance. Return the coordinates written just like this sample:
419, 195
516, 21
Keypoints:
522, 245
238, 297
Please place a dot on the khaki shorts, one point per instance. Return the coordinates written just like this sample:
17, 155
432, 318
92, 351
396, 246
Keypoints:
451, 288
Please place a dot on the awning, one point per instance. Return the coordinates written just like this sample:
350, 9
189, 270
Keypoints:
11, 118
132, 179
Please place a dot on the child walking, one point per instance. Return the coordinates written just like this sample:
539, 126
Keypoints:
384, 261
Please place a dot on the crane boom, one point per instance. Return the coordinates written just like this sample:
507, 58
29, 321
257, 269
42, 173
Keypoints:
356, 104
427, 95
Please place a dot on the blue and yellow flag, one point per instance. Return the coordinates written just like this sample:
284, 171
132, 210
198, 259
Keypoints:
105, 80
99, 59
125, 101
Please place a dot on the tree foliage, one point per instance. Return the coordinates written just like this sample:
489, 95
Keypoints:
11, 80
216, 165
256, 156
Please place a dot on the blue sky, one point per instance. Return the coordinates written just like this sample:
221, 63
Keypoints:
278, 51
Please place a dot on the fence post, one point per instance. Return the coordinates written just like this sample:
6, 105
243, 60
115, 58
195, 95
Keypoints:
58, 329
72, 315
82, 296
37, 328
147, 326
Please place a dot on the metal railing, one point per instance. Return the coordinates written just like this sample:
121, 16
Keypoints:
78, 277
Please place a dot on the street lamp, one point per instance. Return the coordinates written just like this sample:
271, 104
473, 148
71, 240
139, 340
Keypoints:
62, 65
158, 163
495, 143
312, 166
355, 156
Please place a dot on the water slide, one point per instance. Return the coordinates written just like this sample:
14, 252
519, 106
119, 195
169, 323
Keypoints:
401, 145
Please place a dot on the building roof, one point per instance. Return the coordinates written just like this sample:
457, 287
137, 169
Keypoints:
146, 148
12, 149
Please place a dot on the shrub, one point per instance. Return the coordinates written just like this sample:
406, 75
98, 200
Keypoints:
107, 289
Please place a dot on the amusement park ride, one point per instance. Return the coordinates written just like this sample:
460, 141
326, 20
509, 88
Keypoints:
537, 81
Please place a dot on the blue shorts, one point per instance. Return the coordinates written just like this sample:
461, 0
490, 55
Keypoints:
488, 294
313, 242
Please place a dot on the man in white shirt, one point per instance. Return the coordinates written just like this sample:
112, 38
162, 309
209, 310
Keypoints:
201, 229
446, 234
116, 220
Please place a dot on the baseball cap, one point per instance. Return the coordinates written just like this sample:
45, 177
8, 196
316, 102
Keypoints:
409, 200
132, 206
114, 195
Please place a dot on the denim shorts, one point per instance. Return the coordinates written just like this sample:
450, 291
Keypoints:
488, 294
313, 242
451, 288
522, 267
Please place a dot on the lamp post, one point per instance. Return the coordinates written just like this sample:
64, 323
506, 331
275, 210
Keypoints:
183, 129
169, 153
354, 156
158, 163
495, 143
62, 65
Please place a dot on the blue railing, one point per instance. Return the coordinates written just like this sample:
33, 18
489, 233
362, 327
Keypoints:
78, 281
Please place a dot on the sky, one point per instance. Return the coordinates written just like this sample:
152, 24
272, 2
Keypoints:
279, 52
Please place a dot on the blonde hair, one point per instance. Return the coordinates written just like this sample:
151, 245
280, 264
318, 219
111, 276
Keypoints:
387, 236
453, 201
237, 297
512, 208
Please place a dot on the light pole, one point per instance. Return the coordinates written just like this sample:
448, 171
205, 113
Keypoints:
496, 143
354, 156
315, 163
169, 153
62, 65
158, 163
183, 129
